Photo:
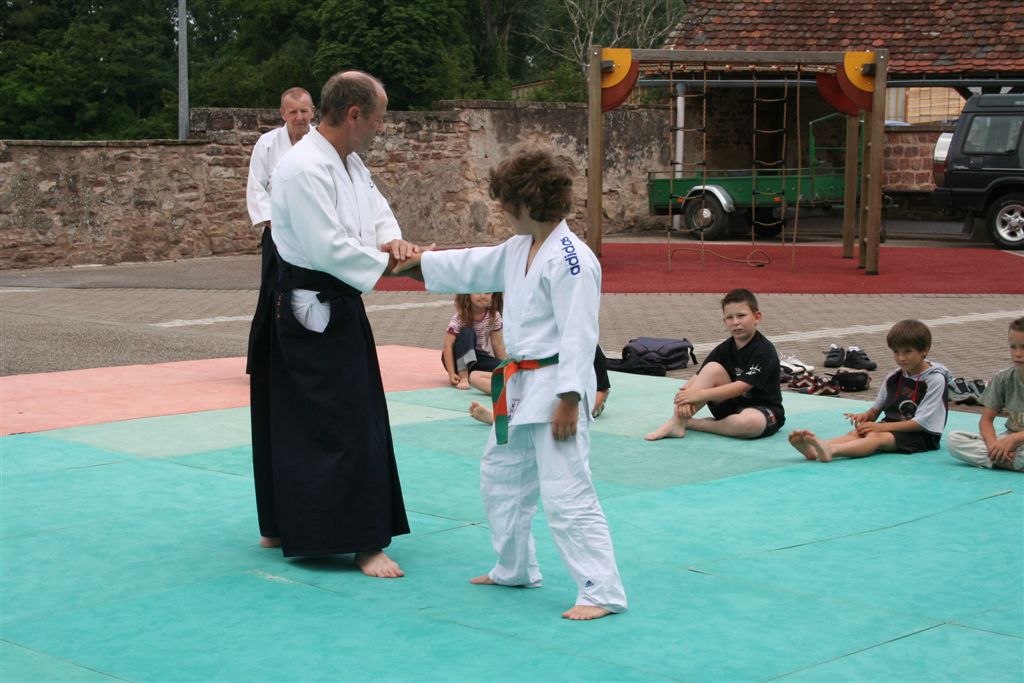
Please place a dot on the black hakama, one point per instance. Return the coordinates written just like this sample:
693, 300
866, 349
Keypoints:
333, 482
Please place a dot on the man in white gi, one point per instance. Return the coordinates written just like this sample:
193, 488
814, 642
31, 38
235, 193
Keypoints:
335, 486
296, 112
544, 391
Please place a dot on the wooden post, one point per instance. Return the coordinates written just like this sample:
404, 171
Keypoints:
877, 159
865, 182
595, 151
850, 190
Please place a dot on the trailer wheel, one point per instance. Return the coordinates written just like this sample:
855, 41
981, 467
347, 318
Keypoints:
1006, 221
705, 216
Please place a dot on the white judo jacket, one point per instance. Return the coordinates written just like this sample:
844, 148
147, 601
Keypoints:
551, 309
266, 153
328, 215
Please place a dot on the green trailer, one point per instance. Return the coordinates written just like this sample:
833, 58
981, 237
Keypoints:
727, 200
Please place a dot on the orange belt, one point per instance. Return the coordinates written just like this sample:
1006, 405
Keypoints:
499, 379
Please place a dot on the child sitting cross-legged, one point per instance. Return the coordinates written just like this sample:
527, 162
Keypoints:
912, 399
986, 448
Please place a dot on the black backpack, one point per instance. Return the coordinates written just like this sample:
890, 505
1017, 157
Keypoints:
852, 380
668, 353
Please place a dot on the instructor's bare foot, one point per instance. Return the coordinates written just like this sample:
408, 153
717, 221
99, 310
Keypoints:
376, 563
674, 428
798, 440
484, 580
270, 542
481, 413
822, 451
585, 613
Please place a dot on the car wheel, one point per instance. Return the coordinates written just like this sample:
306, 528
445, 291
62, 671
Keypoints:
1006, 221
706, 217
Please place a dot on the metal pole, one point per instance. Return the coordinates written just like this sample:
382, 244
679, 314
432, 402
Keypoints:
182, 70
595, 151
677, 219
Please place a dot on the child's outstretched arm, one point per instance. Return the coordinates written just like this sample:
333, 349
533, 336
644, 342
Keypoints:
869, 415
865, 428
689, 395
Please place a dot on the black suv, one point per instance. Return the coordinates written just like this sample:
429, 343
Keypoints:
979, 167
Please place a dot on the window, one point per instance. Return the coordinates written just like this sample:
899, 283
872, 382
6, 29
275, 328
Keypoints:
991, 134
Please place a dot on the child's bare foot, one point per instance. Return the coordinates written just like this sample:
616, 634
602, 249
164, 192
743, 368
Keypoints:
376, 563
822, 451
463, 384
674, 428
798, 440
585, 613
270, 542
484, 580
481, 413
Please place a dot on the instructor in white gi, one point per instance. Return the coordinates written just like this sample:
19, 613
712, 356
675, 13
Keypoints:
332, 464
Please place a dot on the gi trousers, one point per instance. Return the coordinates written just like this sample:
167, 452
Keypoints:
532, 466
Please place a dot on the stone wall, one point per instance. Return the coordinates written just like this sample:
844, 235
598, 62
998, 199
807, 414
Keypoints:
66, 203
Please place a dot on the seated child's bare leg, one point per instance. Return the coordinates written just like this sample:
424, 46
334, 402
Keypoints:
711, 375
798, 440
585, 612
673, 428
749, 423
375, 563
481, 380
270, 542
481, 413
851, 445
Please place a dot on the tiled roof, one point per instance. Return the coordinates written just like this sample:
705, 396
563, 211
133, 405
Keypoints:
933, 37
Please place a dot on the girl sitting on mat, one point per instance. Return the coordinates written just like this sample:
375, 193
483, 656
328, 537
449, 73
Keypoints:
473, 344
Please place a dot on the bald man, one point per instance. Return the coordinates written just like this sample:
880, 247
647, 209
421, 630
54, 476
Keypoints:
331, 479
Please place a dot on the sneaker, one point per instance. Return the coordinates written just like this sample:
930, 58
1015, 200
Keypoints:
979, 386
960, 391
858, 360
821, 387
805, 381
796, 364
835, 356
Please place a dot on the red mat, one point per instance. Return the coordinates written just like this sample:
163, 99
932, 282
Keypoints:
643, 267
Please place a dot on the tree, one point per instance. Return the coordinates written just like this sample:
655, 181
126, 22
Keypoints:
419, 48
87, 70
247, 52
572, 26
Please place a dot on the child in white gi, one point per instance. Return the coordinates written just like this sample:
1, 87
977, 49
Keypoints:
539, 447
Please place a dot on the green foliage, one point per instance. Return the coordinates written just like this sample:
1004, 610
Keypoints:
567, 84
90, 71
419, 48
93, 69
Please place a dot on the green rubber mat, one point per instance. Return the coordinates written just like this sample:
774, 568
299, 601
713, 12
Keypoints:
128, 551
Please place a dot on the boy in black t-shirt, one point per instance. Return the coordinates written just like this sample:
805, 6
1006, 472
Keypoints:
739, 381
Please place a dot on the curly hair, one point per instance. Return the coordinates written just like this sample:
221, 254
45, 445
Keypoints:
535, 180
909, 333
464, 306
